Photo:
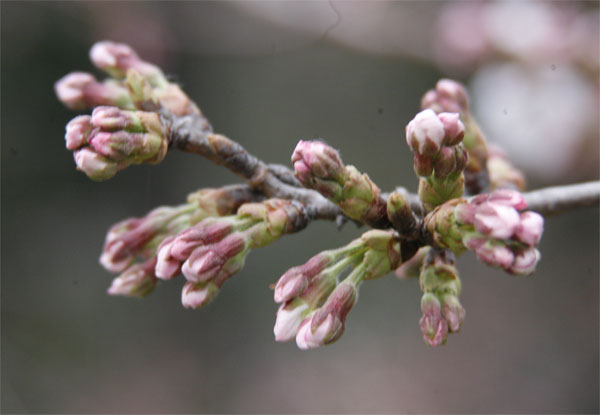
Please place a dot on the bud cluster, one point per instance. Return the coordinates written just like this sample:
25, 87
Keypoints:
319, 166
136, 238
315, 304
493, 226
111, 139
451, 96
442, 311
439, 157
213, 250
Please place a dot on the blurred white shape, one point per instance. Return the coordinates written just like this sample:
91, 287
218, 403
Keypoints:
539, 114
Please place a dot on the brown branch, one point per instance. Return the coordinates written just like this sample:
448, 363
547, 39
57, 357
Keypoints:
193, 134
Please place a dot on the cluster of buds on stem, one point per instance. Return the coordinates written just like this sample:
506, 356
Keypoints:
134, 84
451, 96
136, 238
213, 250
442, 311
111, 139
319, 167
440, 158
493, 226
315, 304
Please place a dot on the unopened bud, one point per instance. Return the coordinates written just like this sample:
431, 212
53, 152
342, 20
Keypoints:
326, 324
496, 220
78, 131
117, 58
295, 280
167, 267
137, 281
425, 133
289, 317
530, 228
197, 295
453, 127
94, 165
400, 213
445, 163
206, 262
525, 261
453, 312
80, 90
496, 254
433, 326
423, 165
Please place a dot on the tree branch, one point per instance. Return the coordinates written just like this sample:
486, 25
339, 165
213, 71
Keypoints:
557, 199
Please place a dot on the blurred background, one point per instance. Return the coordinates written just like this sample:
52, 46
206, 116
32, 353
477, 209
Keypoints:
268, 74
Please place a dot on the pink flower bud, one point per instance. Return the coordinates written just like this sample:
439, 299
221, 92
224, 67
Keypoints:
496, 220
80, 90
78, 131
70, 89
197, 295
508, 197
167, 267
453, 128
204, 233
530, 228
425, 133
433, 326
315, 158
473, 240
465, 213
452, 95
445, 163
525, 261
205, 263
423, 165
295, 280
453, 313
289, 317
495, 254
118, 58
113, 118
137, 281
94, 165
327, 323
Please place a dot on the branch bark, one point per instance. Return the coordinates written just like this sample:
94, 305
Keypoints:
194, 134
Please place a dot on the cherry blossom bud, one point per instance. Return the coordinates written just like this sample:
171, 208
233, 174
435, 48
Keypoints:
318, 166
78, 131
167, 267
496, 254
400, 213
80, 90
206, 232
137, 281
453, 128
206, 262
425, 133
295, 280
433, 326
530, 228
453, 312
95, 166
289, 317
452, 95
197, 295
525, 261
117, 58
465, 213
508, 197
327, 323
496, 220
